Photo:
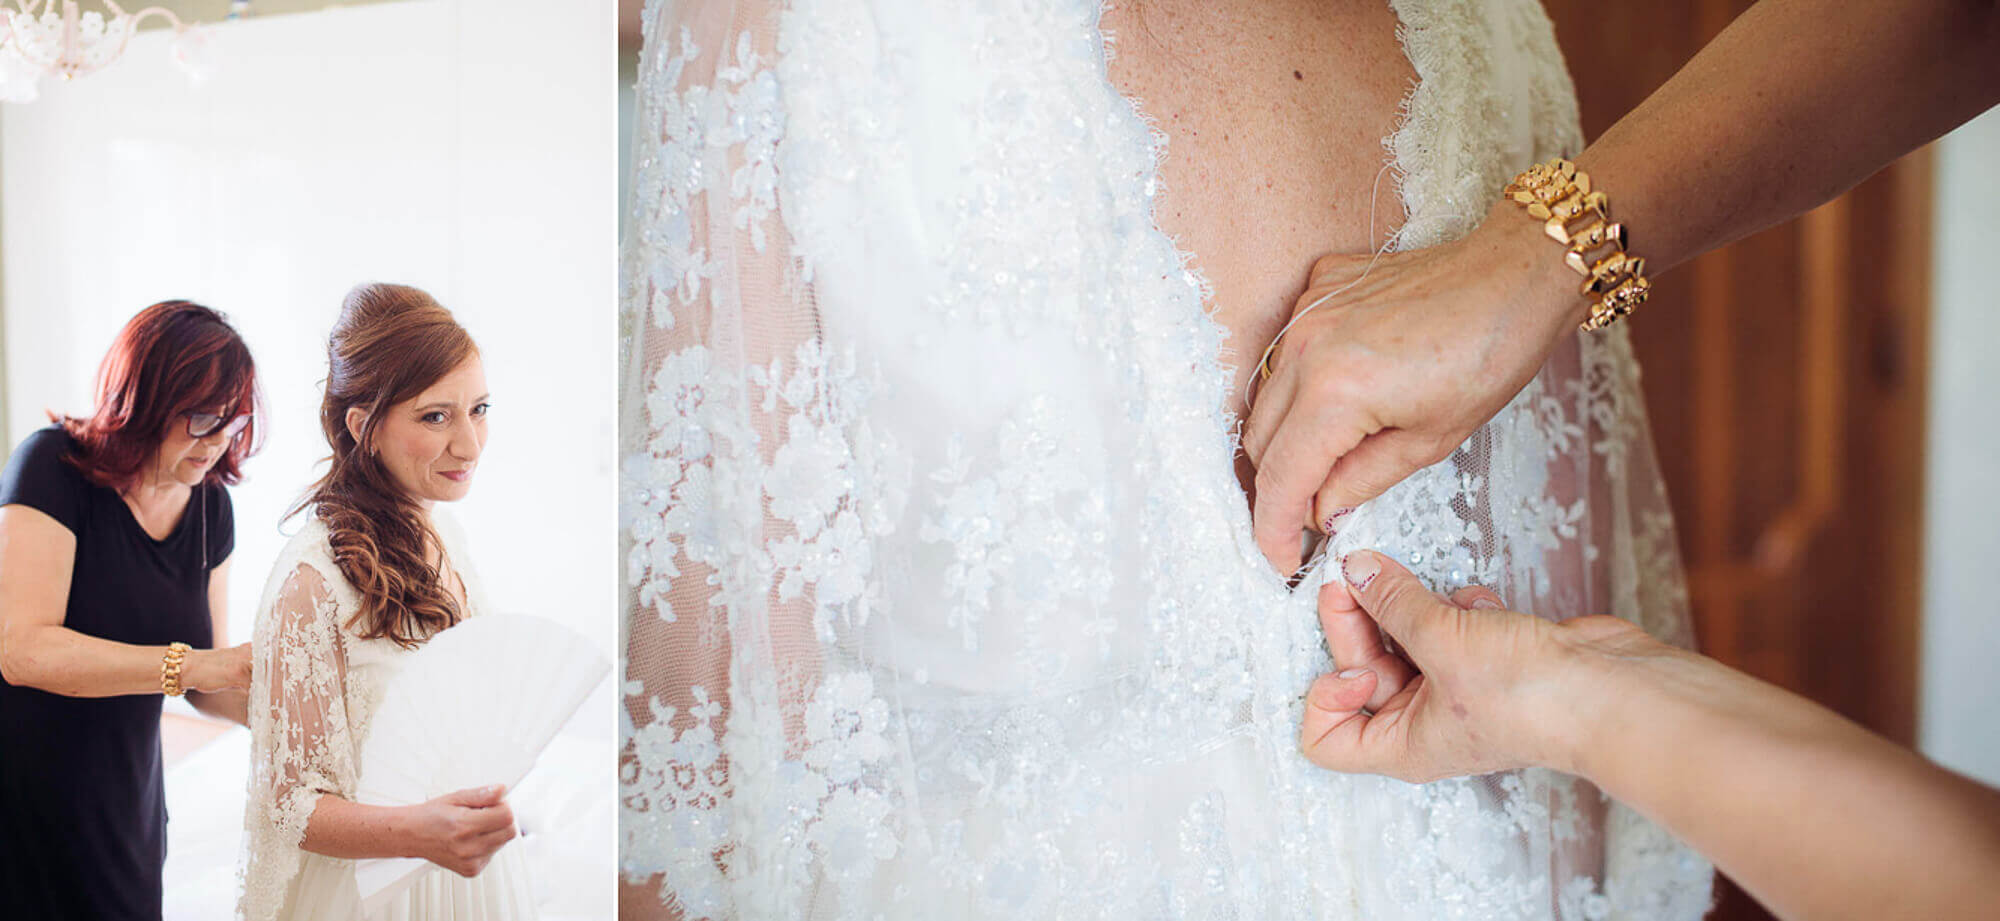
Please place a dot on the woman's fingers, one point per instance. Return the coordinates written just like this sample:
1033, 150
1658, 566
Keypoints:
1294, 466
1379, 462
1335, 734
491, 819
1267, 413
1332, 732
477, 797
491, 841
1396, 599
1356, 642
1478, 597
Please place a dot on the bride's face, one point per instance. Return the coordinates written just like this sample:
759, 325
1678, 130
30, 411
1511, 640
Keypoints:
431, 442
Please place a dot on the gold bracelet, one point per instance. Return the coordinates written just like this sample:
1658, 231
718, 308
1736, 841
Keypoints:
170, 669
1559, 195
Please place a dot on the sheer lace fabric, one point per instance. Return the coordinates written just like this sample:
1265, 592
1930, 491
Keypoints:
314, 686
943, 597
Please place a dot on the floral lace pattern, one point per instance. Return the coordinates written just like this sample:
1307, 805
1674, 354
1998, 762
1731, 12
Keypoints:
943, 599
314, 688
301, 729
1032, 530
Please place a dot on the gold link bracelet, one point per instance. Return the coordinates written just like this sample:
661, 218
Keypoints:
170, 669
1559, 195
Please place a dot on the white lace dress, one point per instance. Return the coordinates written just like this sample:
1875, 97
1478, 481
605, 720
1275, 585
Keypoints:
314, 686
943, 596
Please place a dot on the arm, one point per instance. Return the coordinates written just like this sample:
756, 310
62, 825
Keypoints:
306, 759
233, 704
1868, 829
1813, 815
459, 831
36, 556
722, 315
1795, 102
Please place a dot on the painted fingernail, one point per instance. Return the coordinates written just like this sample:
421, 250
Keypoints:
1329, 525
1360, 569
1484, 603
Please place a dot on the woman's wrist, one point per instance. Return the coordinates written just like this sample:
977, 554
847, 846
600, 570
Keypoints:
209, 670
198, 670
410, 834
1605, 676
397, 831
174, 677
1528, 268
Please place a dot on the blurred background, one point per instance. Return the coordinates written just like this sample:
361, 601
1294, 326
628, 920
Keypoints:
463, 146
1824, 412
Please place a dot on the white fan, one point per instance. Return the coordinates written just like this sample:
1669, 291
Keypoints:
474, 707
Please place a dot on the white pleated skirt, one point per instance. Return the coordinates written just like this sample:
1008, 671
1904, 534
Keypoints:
504, 891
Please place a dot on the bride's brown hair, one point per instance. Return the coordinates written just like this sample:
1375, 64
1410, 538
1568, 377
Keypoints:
390, 343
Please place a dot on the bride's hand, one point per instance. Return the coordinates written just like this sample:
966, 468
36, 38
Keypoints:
217, 669
1394, 372
1494, 689
461, 831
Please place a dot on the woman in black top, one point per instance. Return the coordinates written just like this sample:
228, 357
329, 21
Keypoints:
115, 534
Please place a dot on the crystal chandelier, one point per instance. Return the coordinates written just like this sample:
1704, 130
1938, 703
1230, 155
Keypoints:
37, 39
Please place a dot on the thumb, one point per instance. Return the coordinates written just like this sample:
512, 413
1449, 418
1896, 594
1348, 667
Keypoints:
1334, 724
1368, 470
478, 797
1406, 609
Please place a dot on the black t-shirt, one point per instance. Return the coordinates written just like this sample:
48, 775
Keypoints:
82, 804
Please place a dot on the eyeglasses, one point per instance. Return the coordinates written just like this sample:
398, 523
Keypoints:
202, 425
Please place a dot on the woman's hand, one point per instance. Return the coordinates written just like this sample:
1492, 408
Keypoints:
461, 831
1813, 815
210, 670
1394, 372
1492, 689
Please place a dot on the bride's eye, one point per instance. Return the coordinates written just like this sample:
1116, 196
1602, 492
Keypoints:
434, 417
481, 409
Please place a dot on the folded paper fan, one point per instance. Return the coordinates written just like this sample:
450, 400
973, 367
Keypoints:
474, 707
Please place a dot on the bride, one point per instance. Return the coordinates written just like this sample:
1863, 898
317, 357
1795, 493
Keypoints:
372, 575
945, 599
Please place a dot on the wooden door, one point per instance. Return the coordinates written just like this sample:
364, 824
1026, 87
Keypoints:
1785, 376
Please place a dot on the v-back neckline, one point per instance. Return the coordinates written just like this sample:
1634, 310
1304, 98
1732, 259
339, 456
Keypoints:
1213, 348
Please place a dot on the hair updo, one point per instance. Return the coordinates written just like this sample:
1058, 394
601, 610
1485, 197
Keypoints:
390, 343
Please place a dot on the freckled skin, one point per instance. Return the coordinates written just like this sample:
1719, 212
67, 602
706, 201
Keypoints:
1263, 175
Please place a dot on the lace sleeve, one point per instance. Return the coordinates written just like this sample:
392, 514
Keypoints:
725, 386
302, 747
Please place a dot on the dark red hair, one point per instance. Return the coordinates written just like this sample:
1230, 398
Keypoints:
172, 358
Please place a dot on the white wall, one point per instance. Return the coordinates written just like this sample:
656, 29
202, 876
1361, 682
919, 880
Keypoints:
1961, 677
465, 146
